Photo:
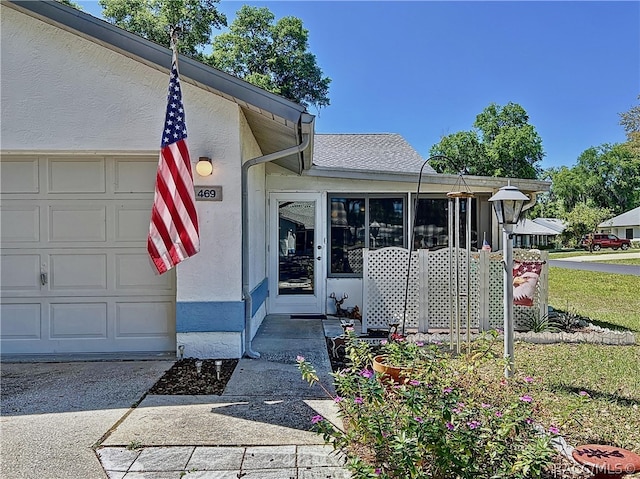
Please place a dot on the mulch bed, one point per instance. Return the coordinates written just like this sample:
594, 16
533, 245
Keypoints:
183, 378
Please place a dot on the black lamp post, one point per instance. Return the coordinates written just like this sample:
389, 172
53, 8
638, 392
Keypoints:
508, 203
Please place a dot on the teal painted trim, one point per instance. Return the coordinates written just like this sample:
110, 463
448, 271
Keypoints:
209, 316
259, 295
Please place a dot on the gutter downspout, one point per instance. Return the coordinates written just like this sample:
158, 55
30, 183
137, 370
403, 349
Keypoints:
248, 306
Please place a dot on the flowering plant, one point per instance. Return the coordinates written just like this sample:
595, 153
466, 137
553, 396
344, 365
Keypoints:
449, 419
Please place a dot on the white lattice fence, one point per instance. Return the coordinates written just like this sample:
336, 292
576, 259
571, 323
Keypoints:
446, 297
434, 299
385, 277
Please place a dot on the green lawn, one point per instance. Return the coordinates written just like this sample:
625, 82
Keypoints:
622, 261
609, 299
609, 374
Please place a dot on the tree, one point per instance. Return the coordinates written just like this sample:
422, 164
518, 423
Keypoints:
271, 55
502, 143
155, 20
630, 121
584, 219
609, 177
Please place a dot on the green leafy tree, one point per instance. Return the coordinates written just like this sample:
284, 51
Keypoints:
609, 177
502, 143
584, 219
273, 55
630, 121
70, 4
155, 20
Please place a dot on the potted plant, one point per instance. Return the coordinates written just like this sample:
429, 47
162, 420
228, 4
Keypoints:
398, 357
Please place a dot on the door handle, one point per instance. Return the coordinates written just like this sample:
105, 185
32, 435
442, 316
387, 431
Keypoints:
43, 278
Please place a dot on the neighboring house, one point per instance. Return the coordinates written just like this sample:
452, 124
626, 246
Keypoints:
626, 225
83, 104
537, 232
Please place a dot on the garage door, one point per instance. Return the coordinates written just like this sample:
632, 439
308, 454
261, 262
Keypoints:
75, 275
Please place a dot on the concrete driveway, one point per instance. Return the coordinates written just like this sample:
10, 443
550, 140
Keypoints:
53, 413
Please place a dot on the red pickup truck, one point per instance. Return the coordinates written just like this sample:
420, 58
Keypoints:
600, 241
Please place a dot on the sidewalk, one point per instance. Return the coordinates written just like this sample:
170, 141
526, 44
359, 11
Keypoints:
258, 429
602, 257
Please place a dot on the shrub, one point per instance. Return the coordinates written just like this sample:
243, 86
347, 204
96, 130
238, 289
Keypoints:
451, 418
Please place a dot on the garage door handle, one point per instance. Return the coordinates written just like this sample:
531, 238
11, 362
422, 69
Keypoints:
43, 278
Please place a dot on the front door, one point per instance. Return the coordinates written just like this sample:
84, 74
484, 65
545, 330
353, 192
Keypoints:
297, 254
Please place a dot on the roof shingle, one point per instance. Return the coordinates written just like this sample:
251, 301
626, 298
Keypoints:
367, 151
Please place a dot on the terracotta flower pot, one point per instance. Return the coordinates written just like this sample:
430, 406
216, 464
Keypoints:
396, 374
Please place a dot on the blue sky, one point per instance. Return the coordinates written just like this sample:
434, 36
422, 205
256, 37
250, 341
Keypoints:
426, 69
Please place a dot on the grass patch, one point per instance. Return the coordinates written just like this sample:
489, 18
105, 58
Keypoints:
611, 300
629, 261
609, 374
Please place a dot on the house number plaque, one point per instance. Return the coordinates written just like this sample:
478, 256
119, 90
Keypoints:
208, 193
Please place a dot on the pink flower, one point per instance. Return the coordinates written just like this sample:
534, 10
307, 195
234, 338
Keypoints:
338, 399
450, 426
529, 420
316, 419
526, 398
414, 382
473, 424
554, 430
498, 414
383, 341
419, 419
528, 379
366, 373
299, 358
485, 405
358, 400
419, 343
447, 390
378, 471
584, 394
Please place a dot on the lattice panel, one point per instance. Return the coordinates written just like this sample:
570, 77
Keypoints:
385, 276
431, 289
442, 287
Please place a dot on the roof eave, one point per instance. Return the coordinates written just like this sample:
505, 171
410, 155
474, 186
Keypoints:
536, 186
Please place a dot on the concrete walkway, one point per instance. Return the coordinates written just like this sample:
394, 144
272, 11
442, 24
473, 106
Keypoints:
602, 257
259, 428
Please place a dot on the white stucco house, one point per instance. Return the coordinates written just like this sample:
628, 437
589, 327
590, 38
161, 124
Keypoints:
625, 225
537, 232
83, 105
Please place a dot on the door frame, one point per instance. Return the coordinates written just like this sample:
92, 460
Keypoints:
297, 304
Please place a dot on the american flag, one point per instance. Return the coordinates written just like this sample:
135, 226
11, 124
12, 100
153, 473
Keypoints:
173, 231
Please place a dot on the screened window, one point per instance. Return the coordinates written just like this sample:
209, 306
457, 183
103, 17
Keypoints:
431, 224
362, 221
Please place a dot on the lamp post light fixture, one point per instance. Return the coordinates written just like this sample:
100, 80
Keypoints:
508, 203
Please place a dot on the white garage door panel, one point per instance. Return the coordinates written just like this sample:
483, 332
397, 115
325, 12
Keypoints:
19, 176
77, 223
78, 320
20, 223
132, 273
20, 272
135, 176
132, 220
76, 176
78, 272
143, 320
20, 321
83, 222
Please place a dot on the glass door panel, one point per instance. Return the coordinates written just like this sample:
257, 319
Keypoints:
296, 258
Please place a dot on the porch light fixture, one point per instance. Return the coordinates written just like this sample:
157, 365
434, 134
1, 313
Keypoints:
508, 203
204, 167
